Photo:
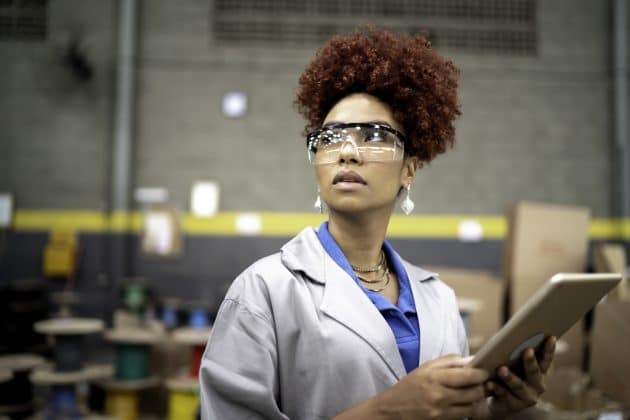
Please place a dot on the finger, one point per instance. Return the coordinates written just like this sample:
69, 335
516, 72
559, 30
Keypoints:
501, 392
449, 361
544, 361
489, 387
533, 374
516, 386
495, 389
464, 396
462, 377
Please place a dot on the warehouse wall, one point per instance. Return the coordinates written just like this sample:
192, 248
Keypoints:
533, 128
56, 129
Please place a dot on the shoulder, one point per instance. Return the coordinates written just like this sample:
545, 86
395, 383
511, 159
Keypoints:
253, 282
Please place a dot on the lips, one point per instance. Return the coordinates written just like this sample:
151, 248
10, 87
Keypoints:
348, 176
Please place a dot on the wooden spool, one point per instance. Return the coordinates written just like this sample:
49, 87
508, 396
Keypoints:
197, 338
68, 367
68, 333
16, 388
183, 403
122, 405
133, 347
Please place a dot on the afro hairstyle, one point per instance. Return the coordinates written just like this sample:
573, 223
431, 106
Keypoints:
418, 84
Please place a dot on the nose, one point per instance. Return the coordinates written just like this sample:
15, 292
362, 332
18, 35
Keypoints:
349, 152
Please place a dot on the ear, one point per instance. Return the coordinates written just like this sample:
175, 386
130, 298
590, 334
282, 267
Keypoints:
408, 171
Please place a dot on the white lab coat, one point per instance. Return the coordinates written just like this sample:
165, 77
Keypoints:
296, 338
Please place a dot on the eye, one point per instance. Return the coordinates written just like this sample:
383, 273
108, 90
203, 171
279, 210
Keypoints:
372, 136
326, 138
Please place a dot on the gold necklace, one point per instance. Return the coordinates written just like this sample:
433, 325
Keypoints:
376, 268
374, 281
381, 288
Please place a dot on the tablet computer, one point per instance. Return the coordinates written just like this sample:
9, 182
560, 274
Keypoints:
552, 310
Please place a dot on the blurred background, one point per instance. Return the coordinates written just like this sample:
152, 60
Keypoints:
155, 143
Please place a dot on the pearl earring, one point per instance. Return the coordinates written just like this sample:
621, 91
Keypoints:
318, 203
407, 204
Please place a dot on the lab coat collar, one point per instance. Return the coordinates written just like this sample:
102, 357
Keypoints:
305, 253
345, 302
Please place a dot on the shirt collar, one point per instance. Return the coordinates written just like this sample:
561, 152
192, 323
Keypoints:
405, 298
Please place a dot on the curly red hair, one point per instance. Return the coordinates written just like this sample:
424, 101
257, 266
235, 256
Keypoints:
419, 85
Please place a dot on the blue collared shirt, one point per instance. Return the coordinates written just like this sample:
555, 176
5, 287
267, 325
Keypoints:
403, 317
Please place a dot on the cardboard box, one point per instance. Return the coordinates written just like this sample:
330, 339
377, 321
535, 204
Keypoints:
611, 258
542, 240
482, 287
570, 396
610, 349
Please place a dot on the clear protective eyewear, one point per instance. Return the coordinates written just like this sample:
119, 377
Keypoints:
373, 141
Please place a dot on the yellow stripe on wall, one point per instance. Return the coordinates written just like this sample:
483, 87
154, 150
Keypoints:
282, 224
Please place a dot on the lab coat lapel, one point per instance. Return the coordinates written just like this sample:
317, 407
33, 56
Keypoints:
342, 299
428, 310
347, 304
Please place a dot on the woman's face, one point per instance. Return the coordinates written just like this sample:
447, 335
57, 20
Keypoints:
352, 184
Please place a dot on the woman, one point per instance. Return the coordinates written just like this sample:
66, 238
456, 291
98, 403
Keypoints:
337, 324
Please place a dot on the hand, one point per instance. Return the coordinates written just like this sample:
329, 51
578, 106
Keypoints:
515, 393
443, 388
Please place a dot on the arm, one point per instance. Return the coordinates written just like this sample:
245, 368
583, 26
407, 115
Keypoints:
238, 370
441, 389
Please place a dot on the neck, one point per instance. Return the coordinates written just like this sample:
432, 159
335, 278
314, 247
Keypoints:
360, 236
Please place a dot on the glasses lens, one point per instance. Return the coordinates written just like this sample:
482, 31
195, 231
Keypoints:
373, 143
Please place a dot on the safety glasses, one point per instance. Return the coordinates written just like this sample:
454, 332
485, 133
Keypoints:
374, 142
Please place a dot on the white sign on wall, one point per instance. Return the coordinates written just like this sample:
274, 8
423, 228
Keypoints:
6, 209
204, 199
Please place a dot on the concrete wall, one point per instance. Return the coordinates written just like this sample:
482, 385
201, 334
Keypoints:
533, 128
536, 128
56, 129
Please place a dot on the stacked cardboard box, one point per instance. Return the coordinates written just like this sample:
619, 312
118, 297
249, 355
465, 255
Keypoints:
610, 350
611, 258
610, 336
542, 240
570, 396
482, 287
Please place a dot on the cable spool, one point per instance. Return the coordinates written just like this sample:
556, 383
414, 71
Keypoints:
136, 296
197, 338
68, 333
195, 364
122, 405
63, 402
183, 402
131, 373
198, 318
65, 303
16, 388
68, 370
133, 348
169, 313
132, 361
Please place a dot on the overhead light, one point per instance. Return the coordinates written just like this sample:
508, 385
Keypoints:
234, 104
